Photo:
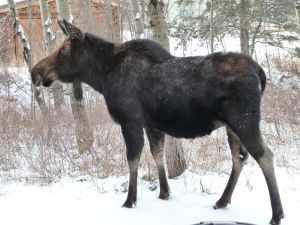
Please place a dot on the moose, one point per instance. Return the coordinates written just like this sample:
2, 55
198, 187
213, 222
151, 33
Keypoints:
147, 88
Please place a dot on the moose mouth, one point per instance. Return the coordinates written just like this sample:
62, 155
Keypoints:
46, 80
47, 83
49, 78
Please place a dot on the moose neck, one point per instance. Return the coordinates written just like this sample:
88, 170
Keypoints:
100, 51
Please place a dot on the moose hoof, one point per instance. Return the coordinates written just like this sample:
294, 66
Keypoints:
221, 204
128, 204
276, 219
164, 196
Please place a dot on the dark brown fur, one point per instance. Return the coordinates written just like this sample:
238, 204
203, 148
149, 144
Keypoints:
232, 64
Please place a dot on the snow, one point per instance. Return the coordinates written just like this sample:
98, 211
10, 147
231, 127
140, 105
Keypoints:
231, 43
71, 18
84, 200
23, 37
48, 22
137, 16
49, 31
19, 84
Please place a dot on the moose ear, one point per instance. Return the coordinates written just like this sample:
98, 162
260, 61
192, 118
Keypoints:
62, 27
74, 32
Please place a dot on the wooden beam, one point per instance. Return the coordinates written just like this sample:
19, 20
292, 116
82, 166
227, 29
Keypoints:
4, 9
19, 5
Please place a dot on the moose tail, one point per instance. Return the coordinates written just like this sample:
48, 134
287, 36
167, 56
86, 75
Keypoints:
262, 78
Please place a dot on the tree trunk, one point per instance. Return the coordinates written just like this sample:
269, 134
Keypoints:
86, 16
27, 55
298, 15
176, 162
244, 26
137, 16
158, 23
254, 36
83, 129
113, 25
49, 38
211, 26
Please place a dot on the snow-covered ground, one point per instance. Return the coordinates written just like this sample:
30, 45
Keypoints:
83, 200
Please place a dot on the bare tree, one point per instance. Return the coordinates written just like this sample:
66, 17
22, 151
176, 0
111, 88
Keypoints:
138, 20
176, 162
211, 26
86, 16
158, 23
50, 45
83, 129
27, 54
298, 14
244, 26
113, 26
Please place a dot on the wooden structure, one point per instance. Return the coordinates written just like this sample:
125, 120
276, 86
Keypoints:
89, 15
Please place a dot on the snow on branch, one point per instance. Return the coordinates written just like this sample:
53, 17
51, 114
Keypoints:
47, 26
19, 29
49, 35
71, 20
26, 53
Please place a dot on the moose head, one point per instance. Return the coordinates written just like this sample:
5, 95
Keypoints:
67, 62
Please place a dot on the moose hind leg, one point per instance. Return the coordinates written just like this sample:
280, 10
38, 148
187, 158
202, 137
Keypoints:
134, 140
246, 127
239, 157
264, 157
156, 141
267, 165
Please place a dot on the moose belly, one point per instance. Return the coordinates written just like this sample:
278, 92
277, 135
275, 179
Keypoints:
188, 126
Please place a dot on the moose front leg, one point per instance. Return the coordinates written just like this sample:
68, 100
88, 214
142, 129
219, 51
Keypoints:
134, 140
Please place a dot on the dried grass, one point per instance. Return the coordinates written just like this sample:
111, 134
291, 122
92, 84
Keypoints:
43, 151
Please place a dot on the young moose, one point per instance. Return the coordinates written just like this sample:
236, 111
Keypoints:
145, 87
